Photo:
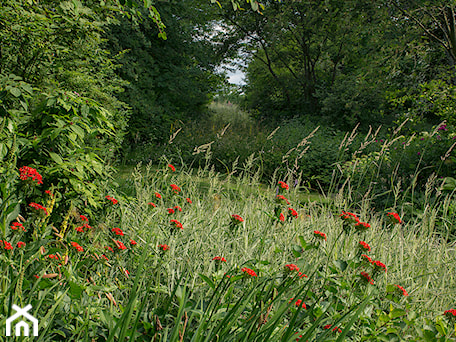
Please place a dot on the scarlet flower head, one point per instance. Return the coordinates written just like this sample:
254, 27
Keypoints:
249, 272
170, 211
6, 245
320, 235
117, 231
177, 208
158, 195
164, 248
83, 218
236, 219
362, 226
20, 244
38, 207
82, 228
283, 185
109, 249
152, 204
450, 314
394, 218
112, 199
379, 266
29, 172
328, 326
292, 267
120, 245
219, 259
364, 246
298, 303
282, 217
189, 201
367, 277
366, 258
282, 199
349, 217
49, 193
293, 212
175, 188
176, 224
401, 290
17, 225
77, 246
133, 242
172, 167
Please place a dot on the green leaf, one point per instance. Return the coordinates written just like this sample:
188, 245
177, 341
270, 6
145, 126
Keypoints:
55, 157
75, 290
15, 92
207, 280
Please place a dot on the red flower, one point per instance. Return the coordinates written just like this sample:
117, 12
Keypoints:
49, 193
301, 275
293, 212
299, 302
379, 265
364, 246
6, 245
77, 246
249, 271
404, 293
283, 185
117, 231
133, 242
320, 235
170, 211
362, 226
451, 314
282, 217
236, 219
394, 218
177, 208
176, 224
152, 204
281, 198
172, 167
127, 272
79, 229
105, 257
84, 218
20, 244
112, 199
28, 172
52, 256
364, 257
367, 277
164, 248
175, 188
292, 267
219, 259
120, 245
38, 207
328, 326
17, 225
158, 195
189, 201
349, 217
109, 249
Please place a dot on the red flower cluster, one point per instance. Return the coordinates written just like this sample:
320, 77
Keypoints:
81, 228
20, 244
320, 235
328, 326
52, 256
219, 259
177, 208
49, 193
281, 198
175, 188
249, 271
451, 314
293, 212
379, 265
28, 172
349, 217
152, 204
38, 207
404, 293
394, 218
292, 267
172, 167
120, 245
170, 211
158, 195
133, 242
189, 201
299, 302
83, 218
112, 199
164, 248
176, 224
5, 245
109, 248
364, 246
367, 277
236, 219
362, 226
17, 225
282, 217
283, 185
117, 231
77, 246
366, 258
